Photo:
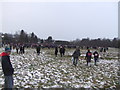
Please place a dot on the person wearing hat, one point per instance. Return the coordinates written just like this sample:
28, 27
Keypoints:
7, 69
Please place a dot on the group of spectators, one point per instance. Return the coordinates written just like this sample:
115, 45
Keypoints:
61, 51
88, 56
8, 69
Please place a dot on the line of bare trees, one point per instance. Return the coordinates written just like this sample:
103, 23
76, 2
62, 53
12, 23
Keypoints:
98, 42
22, 37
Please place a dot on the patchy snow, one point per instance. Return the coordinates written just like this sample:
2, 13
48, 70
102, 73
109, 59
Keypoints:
48, 71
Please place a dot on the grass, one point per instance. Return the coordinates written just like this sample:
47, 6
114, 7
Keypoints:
83, 51
66, 64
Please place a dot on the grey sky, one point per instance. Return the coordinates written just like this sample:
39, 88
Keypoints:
62, 20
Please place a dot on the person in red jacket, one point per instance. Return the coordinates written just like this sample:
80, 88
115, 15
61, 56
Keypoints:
7, 69
88, 56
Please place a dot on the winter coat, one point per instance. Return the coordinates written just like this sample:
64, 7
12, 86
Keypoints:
88, 56
76, 53
96, 55
61, 50
38, 49
6, 64
56, 50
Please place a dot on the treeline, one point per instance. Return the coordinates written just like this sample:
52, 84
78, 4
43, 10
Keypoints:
98, 42
22, 37
19, 37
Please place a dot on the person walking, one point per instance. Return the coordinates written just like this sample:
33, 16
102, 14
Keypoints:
56, 51
21, 49
96, 56
75, 56
7, 68
17, 49
38, 49
88, 57
101, 49
61, 51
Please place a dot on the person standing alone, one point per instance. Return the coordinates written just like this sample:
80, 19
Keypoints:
7, 69
38, 49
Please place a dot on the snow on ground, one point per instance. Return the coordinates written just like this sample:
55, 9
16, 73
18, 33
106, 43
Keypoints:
48, 71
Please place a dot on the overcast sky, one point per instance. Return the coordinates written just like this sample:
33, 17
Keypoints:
61, 20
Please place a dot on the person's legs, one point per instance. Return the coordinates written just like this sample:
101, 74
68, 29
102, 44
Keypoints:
76, 61
61, 54
90, 62
73, 60
17, 51
87, 62
95, 61
56, 54
8, 82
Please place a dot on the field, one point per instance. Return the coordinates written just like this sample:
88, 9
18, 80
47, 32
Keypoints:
47, 71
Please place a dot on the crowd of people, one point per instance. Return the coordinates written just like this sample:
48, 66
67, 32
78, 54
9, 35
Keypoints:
8, 69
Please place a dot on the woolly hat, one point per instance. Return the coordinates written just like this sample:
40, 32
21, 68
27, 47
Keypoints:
7, 49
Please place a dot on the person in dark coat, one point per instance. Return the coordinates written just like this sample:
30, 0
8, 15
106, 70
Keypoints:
104, 50
23, 49
101, 49
38, 49
96, 56
17, 49
7, 69
88, 57
56, 51
76, 55
61, 51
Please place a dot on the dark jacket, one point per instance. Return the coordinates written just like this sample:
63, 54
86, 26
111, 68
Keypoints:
61, 50
96, 55
88, 55
56, 50
76, 53
38, 49
6, 64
